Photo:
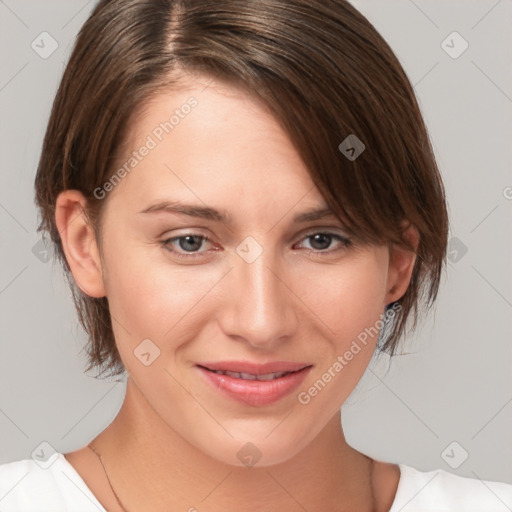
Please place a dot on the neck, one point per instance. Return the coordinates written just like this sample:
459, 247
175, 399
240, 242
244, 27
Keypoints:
141, 452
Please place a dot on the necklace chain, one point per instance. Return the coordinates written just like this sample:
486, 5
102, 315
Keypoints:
124, 508
108, 479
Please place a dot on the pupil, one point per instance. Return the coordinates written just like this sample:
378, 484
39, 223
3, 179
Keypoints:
190, 243
320, 241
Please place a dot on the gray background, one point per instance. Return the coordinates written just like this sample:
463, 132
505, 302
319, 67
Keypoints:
453, 386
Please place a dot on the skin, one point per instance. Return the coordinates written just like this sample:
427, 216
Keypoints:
174, 443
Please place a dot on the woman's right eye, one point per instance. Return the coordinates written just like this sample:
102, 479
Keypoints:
186, 246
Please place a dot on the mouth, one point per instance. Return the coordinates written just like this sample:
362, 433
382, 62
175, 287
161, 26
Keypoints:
250, 376
254, 385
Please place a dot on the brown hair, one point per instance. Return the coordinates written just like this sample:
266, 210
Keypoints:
324, 72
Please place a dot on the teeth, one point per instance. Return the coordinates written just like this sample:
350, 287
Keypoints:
250, 376
246, 376
270, 376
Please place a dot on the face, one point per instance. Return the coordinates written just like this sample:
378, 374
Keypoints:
208, 257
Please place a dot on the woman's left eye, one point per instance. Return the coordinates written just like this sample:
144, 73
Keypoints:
322, 242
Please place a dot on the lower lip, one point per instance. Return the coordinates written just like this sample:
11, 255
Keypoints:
255, 392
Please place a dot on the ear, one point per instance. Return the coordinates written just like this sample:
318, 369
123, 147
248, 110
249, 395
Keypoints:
401, 264
79, 242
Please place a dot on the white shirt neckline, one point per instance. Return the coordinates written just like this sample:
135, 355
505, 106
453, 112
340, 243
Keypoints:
403, 469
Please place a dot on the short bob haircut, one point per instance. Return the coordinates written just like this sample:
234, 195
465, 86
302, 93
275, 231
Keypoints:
321, 68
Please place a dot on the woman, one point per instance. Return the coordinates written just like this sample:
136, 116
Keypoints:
245, 200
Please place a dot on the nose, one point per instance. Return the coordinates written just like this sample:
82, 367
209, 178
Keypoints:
258, 307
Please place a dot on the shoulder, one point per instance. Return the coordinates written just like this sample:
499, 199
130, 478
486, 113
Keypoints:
439, 490
44, 486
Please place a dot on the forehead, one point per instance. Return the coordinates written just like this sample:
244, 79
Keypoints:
214, 143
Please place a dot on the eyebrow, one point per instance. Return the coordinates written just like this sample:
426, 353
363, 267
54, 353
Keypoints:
205, 212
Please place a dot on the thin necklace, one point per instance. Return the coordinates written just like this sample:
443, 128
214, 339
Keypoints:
124, 509
108, 479
374, 501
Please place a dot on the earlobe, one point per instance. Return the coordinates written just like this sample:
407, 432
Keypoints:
401, 266
79, 242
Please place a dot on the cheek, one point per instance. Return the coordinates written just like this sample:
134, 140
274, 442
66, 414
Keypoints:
149, 296
349, 301
349, 304
347, 297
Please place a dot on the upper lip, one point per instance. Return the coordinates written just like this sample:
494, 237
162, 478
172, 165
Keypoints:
255, 368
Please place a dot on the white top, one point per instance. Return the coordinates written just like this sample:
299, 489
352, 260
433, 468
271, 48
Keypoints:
25, 486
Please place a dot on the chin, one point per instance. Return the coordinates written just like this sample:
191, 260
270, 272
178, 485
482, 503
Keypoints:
256, 453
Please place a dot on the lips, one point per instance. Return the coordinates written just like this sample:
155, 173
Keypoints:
254, 384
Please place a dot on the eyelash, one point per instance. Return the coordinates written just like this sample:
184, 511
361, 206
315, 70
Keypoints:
344, 242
